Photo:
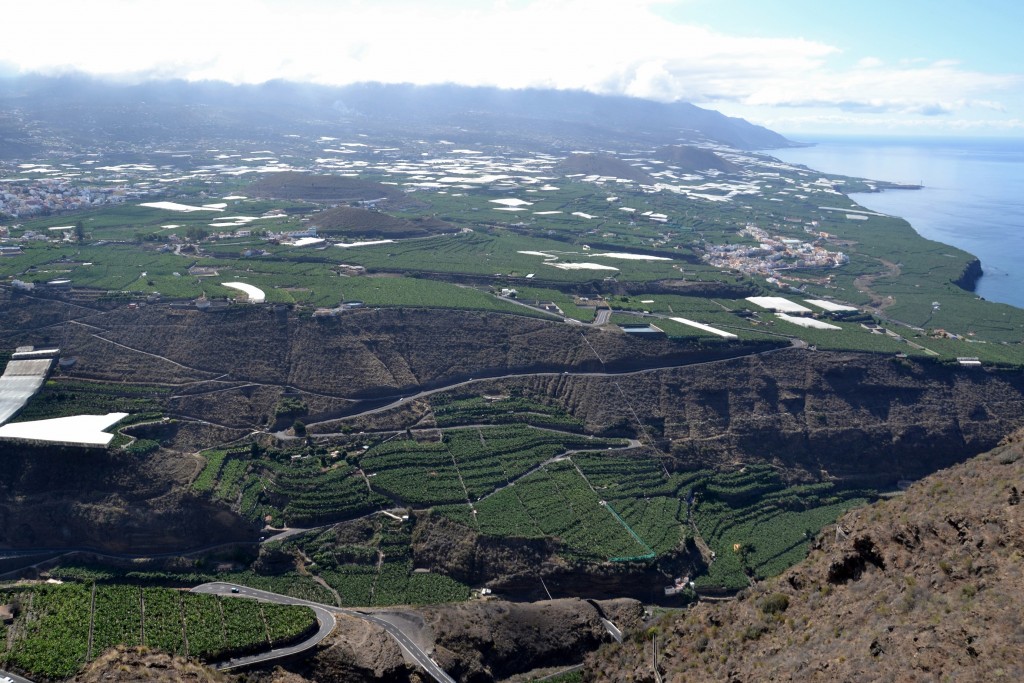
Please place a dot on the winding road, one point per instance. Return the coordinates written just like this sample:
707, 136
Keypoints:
326, 616
323, 616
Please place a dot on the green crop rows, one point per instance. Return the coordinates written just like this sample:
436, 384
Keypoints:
501, 410
312, 496
468, 464
758, 526
50, 636
554, 501
53, 634
60, 398
118, 617
207, 478
391, 580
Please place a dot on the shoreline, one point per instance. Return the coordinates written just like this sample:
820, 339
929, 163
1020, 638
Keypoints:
972, 204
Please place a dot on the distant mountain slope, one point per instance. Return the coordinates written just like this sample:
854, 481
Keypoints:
616, 117
603, 165
926, 586
320, 188
694, 159
82, 111
352, 221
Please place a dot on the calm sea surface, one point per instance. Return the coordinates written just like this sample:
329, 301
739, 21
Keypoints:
973, 196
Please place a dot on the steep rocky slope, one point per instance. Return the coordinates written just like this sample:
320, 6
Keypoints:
63, 497
356, 651
487, 641
511, 566
922, 587
474, 642
362, 353
865, 419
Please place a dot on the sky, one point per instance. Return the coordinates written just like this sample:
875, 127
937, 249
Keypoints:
854, 67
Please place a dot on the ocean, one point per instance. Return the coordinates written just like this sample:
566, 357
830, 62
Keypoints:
973, 196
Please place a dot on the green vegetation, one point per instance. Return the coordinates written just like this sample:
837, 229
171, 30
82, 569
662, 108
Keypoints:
50, 635
451, 412
54, 631
380, 571
758, 526
63, 397
508, 465
295, 585
554, 501
468, 463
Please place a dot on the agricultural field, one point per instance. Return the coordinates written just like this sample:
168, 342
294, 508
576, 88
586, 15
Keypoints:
64, 398
61, 627
380, 571
556, 501
466, 464
758, 526
532, 475
295, 585
503, 465
450, 411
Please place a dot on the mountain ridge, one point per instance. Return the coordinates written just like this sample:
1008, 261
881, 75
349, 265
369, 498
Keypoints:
154, 109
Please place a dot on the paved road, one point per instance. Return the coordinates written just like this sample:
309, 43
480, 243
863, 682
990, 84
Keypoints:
414, 650
612, 629
6, 677
406, 643
323, 616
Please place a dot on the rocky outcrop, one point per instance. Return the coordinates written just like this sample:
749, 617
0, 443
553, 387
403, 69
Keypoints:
363, 354
356, 651
514, 567
132, 664
488, 641
75, 498
969, 278
864, 419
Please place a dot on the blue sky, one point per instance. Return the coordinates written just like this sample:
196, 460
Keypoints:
894, 67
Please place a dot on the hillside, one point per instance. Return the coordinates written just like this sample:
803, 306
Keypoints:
851, 420
131, 664
925, 586
162, 111
319, 188
602, 165
350, 221
694, 159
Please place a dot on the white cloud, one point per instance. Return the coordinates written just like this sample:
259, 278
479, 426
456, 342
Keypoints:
869, 62
607, 46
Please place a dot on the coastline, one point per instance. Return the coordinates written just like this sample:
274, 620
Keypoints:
970, 200
973, 272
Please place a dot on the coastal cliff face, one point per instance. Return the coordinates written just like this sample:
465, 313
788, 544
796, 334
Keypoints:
926, 586
968, 280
